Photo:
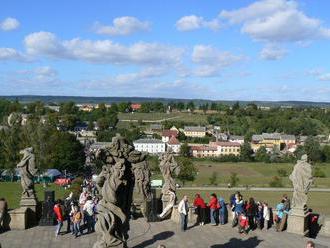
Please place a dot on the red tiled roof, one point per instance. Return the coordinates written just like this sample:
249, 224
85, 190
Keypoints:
170, 133
135, 106
219, 143
173, 141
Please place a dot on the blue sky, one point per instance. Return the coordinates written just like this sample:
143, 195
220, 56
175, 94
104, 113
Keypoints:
221, 50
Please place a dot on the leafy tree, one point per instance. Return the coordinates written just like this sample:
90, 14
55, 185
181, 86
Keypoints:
213, 178
68, 108
191, 106
233, 180
262, 155
188, 171
318, 172
313, 149
185, 150
246, 152
326, 153
124, 107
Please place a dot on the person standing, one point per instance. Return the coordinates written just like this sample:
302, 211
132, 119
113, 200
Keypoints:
214, 209
89, 214
58, 209
200, 206
183, 209
266, 216
251, 212
76, 219
223, 212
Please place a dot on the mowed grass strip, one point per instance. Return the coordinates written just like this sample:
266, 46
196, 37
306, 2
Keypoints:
12, 191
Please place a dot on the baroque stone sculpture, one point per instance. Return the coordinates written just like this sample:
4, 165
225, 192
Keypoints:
27, 169
169, 167
302, 180
123, 168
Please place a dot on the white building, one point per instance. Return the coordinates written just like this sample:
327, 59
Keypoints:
153, 146
174, 144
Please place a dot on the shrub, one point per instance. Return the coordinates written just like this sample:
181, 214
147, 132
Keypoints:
214, 178
276, 182
282, 172
318, 173
233, 179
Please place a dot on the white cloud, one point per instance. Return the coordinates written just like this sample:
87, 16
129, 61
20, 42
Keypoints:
272, 52
125, 25
193, 22
211, 60
324, 77
276, 21
101, 51
12, 54
9, 24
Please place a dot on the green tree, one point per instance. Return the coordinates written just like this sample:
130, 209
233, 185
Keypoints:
213, 179
313, 149
68, 108
185, 150
326, 153
191, 106
124, 107
246, 152
188, 171
262, 155
233, 180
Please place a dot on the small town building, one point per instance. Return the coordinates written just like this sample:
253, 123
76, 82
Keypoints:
167, 134
152, 146
236, 138
194, 131
135, 106
174, 145
156, 128
227, 148
203, 151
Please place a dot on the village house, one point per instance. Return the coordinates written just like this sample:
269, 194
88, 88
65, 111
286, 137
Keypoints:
236, 138
156, 128
272, 141
194, 131
152, 146
167, 134
174, 145
227, 148
203, 151
135, 106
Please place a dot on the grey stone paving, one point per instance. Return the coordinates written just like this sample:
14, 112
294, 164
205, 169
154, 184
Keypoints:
145, 234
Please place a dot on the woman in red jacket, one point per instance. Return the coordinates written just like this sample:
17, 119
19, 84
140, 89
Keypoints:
58, 209
214, 209
200, 206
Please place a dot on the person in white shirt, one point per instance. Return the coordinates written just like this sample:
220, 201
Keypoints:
183, 209
266, 216
89, 214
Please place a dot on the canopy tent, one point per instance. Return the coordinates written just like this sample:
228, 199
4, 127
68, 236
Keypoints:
52, 173
10, 173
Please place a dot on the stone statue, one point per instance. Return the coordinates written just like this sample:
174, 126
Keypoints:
27, 169
169, 167
302, 180
123, 168
14, 119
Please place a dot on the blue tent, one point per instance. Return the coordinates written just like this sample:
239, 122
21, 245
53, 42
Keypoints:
53, 173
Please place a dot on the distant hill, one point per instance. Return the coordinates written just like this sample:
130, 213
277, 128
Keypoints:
109, 100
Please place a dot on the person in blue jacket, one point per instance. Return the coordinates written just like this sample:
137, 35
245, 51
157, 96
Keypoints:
223, 212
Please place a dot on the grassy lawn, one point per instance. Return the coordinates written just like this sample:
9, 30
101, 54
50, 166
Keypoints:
11, 191
200, 119
252, 174
318, 201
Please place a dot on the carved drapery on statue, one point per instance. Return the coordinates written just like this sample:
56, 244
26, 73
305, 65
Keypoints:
302, 180
27, 170
169, 167
123, 169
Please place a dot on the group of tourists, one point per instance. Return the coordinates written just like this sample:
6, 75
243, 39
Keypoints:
246, 215
78, 214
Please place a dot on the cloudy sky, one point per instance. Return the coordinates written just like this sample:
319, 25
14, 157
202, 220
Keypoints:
225, 50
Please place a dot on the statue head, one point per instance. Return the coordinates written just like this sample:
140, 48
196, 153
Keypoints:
304, 157
26, 151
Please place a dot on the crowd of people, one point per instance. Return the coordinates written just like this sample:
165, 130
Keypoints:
247, 215
79, 214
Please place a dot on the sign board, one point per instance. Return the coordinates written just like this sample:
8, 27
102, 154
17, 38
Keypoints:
156, 183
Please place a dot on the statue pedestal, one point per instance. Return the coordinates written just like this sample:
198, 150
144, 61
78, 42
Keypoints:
298, 221
25, 216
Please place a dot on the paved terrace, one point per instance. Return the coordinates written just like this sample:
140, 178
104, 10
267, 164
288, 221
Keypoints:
145, 234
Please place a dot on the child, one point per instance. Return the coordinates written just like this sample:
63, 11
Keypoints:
243, 226
266, 216
76, 221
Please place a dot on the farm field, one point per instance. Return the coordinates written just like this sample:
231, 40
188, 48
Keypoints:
198, 119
